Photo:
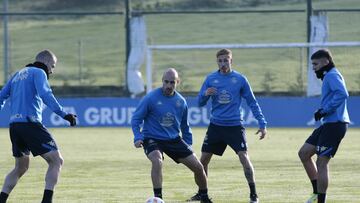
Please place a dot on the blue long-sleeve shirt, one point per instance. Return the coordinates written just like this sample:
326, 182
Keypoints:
162, 117
231, 88
334, 97
27, 91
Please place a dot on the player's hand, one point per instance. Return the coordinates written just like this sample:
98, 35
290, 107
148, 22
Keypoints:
262, 132
318, 115
210, 91
138, 144
71, 118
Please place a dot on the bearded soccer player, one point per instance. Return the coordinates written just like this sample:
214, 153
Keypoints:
163, 113
325, 140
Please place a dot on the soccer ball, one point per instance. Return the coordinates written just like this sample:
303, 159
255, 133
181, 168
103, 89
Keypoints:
154, 200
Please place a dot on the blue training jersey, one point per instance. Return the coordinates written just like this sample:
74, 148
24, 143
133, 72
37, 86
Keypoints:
225, 105
27, 91
162, 117
334, 97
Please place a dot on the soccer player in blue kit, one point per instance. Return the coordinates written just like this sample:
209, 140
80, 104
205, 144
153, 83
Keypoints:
163, 113
325, 140
27, 90
226, 88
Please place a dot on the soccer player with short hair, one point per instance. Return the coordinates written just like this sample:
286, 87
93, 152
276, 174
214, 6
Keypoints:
325, 140
163, 113
27, 90
226, 88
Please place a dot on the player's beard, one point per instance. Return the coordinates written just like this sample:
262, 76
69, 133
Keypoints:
168, 91
320, 73
224, 69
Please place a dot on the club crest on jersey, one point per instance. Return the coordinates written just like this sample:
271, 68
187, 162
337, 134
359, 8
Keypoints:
178, 103
234, 80
216, 81
159, 103
167, 120
224, 97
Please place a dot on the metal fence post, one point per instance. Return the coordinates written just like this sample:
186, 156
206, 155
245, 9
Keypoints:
6, 42
127, 36
80, 49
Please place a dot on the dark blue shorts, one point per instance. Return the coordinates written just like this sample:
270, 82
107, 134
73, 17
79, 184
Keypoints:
327, 138
218, 137
175, 149
34, 137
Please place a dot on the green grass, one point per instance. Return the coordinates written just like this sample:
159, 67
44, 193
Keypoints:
103, 39
102, 44
101, 165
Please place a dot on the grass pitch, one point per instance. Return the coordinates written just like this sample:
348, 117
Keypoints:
101, 165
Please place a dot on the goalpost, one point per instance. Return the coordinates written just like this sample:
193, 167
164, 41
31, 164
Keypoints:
303, 47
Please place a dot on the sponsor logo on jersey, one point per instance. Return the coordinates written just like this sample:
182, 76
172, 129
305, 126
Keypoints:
234, 80
167, 120
224, 97
178, 103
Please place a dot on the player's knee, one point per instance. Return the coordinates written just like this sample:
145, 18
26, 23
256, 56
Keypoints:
321, 163
156, 161
61, 161
21, 170
303, 155
300, 154
56, 161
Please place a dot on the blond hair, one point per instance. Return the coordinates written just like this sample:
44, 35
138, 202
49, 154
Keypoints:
224, 52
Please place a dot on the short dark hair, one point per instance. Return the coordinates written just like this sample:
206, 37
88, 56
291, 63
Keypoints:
223, 52
323, 53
